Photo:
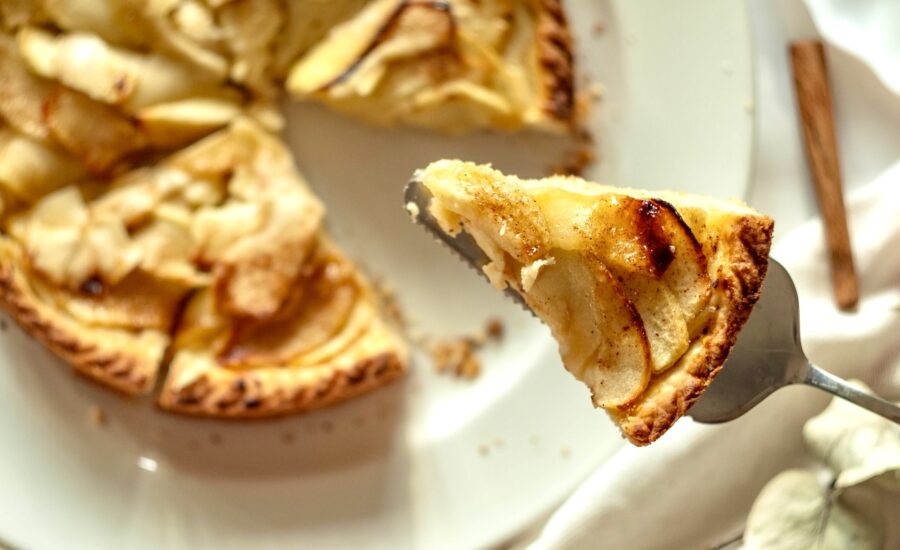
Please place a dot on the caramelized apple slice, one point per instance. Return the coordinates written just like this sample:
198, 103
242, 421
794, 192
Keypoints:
663, 320
96, 134
316, 312
343, 49
29, 169
601, 337
139, 301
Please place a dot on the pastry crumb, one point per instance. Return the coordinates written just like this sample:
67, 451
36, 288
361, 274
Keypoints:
458, 356
3, 324
484, 449
499, 442
98, 416
596, 91
565, 452
598, 28
287, 438
494, 328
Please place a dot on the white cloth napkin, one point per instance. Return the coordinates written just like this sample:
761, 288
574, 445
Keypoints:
693, 488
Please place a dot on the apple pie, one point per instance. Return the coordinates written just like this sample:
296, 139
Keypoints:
155, 232
454, 65
644, 291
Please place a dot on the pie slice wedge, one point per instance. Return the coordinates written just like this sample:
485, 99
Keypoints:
453, 65
644, 291
213, 259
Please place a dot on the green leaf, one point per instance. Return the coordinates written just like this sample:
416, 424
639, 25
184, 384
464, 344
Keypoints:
795, 510
857, 444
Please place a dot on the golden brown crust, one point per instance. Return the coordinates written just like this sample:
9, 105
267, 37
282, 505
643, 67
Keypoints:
556, 60
742, 263
259, 393
124, 360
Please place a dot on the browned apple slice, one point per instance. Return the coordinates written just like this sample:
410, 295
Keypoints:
139, 301
342, 49
30, 169
94, 133
688, 273
663, 320
318, 310
601, 337
22, 95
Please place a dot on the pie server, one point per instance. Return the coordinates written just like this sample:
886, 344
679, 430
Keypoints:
766, 357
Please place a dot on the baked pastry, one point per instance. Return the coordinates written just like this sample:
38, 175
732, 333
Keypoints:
452, 65
101, 273
644, 291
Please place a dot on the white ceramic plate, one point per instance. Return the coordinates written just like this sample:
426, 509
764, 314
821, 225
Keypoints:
430, 462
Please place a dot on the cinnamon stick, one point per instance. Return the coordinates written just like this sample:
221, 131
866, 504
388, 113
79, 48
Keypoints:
816, 115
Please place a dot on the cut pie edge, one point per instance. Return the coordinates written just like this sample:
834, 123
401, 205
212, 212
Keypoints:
738, 281
124, 360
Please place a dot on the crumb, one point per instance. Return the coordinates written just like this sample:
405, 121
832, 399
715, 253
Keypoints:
98, 416
413, 210
499, 442
494, 328
327, 426
598, 28
534, 440
456, 356
287, 438
566, 452
484, 449
215, 438
3, 324
596, 91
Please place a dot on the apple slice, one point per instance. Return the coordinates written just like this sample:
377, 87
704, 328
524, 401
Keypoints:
317, 311
663, 320
601, 337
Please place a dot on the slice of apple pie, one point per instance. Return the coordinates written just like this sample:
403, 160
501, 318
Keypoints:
220, 244
452, 65
644, 291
